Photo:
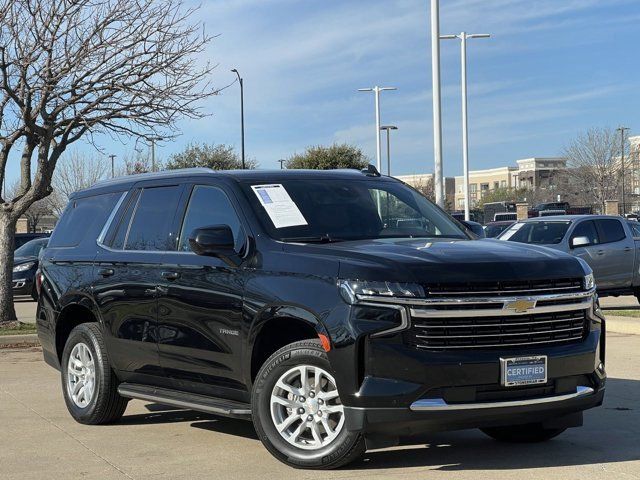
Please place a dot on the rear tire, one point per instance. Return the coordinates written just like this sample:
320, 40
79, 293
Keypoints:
531, 433
308, 412
89, 385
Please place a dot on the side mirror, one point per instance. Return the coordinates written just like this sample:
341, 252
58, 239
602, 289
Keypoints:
475, 228
580, 242
214, 241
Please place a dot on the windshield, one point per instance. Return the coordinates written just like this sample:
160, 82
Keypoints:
540, 233
31, 249
493, 231
323, 210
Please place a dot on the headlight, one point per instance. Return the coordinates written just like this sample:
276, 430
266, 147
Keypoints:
350, 289
23, 268
589, 282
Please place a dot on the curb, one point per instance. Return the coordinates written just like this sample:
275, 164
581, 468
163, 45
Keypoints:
628, 325
28, 340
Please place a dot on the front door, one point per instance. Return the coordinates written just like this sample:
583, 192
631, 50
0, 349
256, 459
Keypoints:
592, 253
200, 305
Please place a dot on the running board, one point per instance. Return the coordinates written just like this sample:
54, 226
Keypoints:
190, 401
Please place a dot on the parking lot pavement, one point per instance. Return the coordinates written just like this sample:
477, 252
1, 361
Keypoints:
626, 302
39, 439
25, 308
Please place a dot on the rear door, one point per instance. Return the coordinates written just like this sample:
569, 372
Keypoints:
616, 251
128, 269
200, 303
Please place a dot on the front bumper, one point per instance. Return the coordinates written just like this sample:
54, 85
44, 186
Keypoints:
427, 416
22, 286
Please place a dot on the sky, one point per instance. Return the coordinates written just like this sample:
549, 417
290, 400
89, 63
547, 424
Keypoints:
551, 69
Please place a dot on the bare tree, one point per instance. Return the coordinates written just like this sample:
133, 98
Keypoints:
35, 212
75, 171
426, 188
73, 69
594, 166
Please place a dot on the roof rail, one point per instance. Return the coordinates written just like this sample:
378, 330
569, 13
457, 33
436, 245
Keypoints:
142, 176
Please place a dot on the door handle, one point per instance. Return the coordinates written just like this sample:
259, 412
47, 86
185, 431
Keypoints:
171, 275
600, 252
106, 272
628, 249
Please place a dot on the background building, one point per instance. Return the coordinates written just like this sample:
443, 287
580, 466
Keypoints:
483, 181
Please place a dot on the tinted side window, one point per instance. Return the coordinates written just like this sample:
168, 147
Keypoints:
209, 206
152, 220
123, 227
83, 217
635, 228
611, 230
587, 229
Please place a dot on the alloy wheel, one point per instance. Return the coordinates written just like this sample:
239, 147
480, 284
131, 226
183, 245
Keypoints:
81, 375
306, 408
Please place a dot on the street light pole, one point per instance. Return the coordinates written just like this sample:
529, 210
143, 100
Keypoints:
241, 81
376, 90
463, 36
153, 141
112, 157
388, 128
282, 160
622, 130
437, 114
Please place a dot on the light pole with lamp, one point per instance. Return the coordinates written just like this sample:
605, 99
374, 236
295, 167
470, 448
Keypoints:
376, 90
241, 81
463, 36
153, 151
388, 128
113, 172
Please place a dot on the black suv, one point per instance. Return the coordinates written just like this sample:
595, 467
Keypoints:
337, 310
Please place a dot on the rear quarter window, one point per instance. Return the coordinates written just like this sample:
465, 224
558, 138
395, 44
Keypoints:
83, 219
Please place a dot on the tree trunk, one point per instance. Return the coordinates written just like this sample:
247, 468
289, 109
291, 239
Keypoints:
7, 234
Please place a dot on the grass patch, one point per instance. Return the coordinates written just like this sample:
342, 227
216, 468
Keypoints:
21, 329
623, 313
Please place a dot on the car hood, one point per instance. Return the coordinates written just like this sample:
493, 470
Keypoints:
426, 260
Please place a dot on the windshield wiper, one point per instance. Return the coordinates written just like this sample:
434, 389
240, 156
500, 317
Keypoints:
319, 239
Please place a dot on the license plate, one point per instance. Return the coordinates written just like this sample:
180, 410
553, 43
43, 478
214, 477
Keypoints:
517, 371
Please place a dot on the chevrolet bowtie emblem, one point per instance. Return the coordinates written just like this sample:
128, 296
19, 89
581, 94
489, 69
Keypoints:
521, 306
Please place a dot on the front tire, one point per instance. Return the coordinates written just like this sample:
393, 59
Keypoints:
89, 385
531, 433
297, 412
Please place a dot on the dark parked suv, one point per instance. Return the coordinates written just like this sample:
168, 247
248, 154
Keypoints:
337, 310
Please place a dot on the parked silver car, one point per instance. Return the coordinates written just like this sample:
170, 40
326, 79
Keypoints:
609, 244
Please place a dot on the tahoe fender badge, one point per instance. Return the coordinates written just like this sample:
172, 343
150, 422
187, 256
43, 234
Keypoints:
226, 331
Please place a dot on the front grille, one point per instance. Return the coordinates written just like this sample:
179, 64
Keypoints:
505, 288
498, 331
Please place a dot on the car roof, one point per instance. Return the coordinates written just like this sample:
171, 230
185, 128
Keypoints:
568, 218
501, 222
125, 182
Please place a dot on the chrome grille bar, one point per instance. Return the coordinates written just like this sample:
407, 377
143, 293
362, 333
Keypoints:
480, 325
520, 334
497, 312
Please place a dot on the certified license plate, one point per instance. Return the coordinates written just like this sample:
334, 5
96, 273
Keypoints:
523, 370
